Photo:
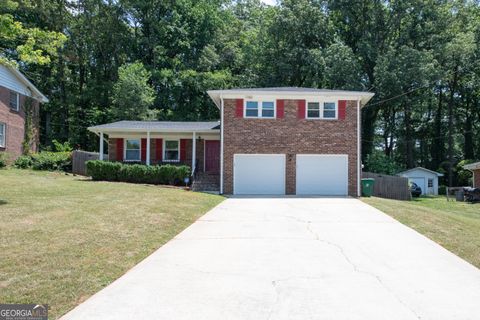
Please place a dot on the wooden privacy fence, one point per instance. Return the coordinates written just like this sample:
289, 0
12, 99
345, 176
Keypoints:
391, 187
79, 158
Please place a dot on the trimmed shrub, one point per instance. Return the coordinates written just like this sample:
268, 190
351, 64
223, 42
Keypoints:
103, 170
23, 162
47, 160
4, 157
137, 173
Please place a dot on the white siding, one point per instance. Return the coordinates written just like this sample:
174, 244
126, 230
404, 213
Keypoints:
419, 173
10, 81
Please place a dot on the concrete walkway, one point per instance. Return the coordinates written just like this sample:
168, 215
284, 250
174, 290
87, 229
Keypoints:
292, 258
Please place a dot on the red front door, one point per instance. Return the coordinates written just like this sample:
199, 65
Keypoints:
212, 156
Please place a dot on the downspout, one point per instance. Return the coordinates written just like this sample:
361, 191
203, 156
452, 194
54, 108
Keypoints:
359, 154
221, 144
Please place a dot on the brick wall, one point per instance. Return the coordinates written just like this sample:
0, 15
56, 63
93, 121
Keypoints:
476, 178
15, 121
112, 152
290, 136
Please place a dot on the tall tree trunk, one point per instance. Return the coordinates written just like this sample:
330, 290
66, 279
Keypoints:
438, 146
409, 136
468, 148
451, 104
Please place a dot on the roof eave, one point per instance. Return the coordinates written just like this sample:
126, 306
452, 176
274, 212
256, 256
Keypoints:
135, 130
36, 94
215, 95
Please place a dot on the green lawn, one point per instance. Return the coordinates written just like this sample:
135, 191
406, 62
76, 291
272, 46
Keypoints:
63, 238
454, 225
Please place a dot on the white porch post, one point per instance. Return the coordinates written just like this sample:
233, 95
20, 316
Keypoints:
101, 146
194, 150
148, 148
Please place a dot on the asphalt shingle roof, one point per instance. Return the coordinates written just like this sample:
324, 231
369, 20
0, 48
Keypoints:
188, 126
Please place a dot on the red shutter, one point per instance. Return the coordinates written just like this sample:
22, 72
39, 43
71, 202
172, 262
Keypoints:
144, 150
280, 109
301, 109
183, 149
342, 108
158, 149
119, 149
239, 108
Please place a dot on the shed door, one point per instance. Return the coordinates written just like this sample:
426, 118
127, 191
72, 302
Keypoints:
321, 174
259, 174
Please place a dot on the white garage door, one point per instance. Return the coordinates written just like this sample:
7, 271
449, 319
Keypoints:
325, 175
259, 174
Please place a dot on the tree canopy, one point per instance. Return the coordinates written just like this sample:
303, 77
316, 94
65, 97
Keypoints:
420, 57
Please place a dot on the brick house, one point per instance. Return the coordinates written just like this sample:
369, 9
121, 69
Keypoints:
475, 168
268, 141
17, 94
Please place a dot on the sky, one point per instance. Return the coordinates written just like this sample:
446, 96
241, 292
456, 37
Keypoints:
270, 2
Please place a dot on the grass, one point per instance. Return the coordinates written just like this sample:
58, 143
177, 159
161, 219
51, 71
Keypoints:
63, 238
454, 225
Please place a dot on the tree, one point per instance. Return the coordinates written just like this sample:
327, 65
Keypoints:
132, 94
25, 44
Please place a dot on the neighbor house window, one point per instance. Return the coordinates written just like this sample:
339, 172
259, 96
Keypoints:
3, 130
14, 101
259, 109
132, 150
321, 110
172, 150
430, 183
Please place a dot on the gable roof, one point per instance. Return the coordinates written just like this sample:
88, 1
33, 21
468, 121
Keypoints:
289, 92
472, 166
29, 89
422, 169
157, 126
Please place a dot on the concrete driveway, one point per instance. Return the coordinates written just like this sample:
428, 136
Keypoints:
293, 258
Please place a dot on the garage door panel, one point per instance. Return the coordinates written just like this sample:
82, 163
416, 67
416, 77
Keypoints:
259, 174
322, 175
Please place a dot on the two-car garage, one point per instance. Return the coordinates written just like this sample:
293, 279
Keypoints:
315, 174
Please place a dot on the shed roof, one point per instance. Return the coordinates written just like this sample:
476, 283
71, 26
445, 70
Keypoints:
158, 126
423, 169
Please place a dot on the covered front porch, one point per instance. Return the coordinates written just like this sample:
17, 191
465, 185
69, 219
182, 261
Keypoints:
196, 144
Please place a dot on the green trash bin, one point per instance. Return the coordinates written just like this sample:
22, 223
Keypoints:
367, 187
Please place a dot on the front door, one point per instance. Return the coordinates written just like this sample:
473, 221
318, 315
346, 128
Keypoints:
212, 156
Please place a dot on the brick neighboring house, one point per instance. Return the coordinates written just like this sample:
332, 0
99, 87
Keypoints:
269, 141
15, 89
475, 168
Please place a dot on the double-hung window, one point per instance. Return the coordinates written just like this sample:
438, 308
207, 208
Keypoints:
132, 150
259, 109
3, 130
322, 110
171, 150
14, 101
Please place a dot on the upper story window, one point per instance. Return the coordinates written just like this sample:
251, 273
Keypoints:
132, 149
259, 109
322, 110
14, 101
171, 150
3, 129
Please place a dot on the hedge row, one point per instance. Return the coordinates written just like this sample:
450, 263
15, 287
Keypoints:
137, 173
46, 160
